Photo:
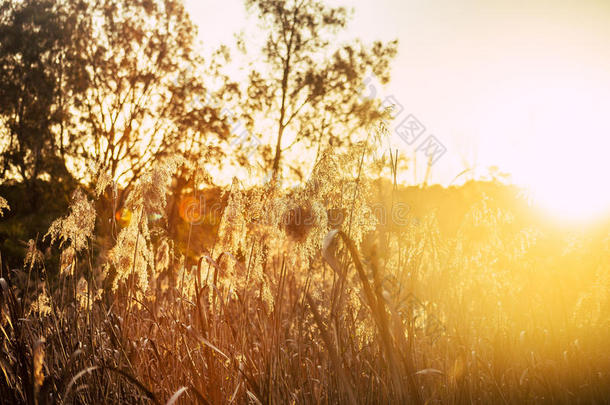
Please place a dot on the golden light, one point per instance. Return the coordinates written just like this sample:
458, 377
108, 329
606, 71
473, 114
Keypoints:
190, 209
123, 216
567, 163
571, 197
551, 133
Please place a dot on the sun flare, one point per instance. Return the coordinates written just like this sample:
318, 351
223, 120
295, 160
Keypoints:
566, 164
301, 201
554, 141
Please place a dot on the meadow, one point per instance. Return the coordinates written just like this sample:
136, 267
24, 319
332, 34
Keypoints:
332, 291
264, 221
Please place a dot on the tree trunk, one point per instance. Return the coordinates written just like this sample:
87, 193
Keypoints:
278, 152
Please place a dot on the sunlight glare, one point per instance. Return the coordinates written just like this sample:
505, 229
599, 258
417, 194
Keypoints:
566, 161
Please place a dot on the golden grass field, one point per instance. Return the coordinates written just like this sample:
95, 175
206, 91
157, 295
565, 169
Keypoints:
304, 202
308, 294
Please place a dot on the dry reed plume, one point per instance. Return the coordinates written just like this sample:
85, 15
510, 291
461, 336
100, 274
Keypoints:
306, 296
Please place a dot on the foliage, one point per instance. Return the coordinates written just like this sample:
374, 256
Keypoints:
344, 288
308, 86
38, 73
135, 109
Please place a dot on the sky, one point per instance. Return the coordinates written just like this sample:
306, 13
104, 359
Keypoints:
520, 85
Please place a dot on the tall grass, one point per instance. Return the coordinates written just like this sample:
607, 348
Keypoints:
308, 295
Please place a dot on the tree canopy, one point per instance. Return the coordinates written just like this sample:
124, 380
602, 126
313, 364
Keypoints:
309, 85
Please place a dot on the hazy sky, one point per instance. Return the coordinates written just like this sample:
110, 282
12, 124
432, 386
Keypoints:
523, 85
